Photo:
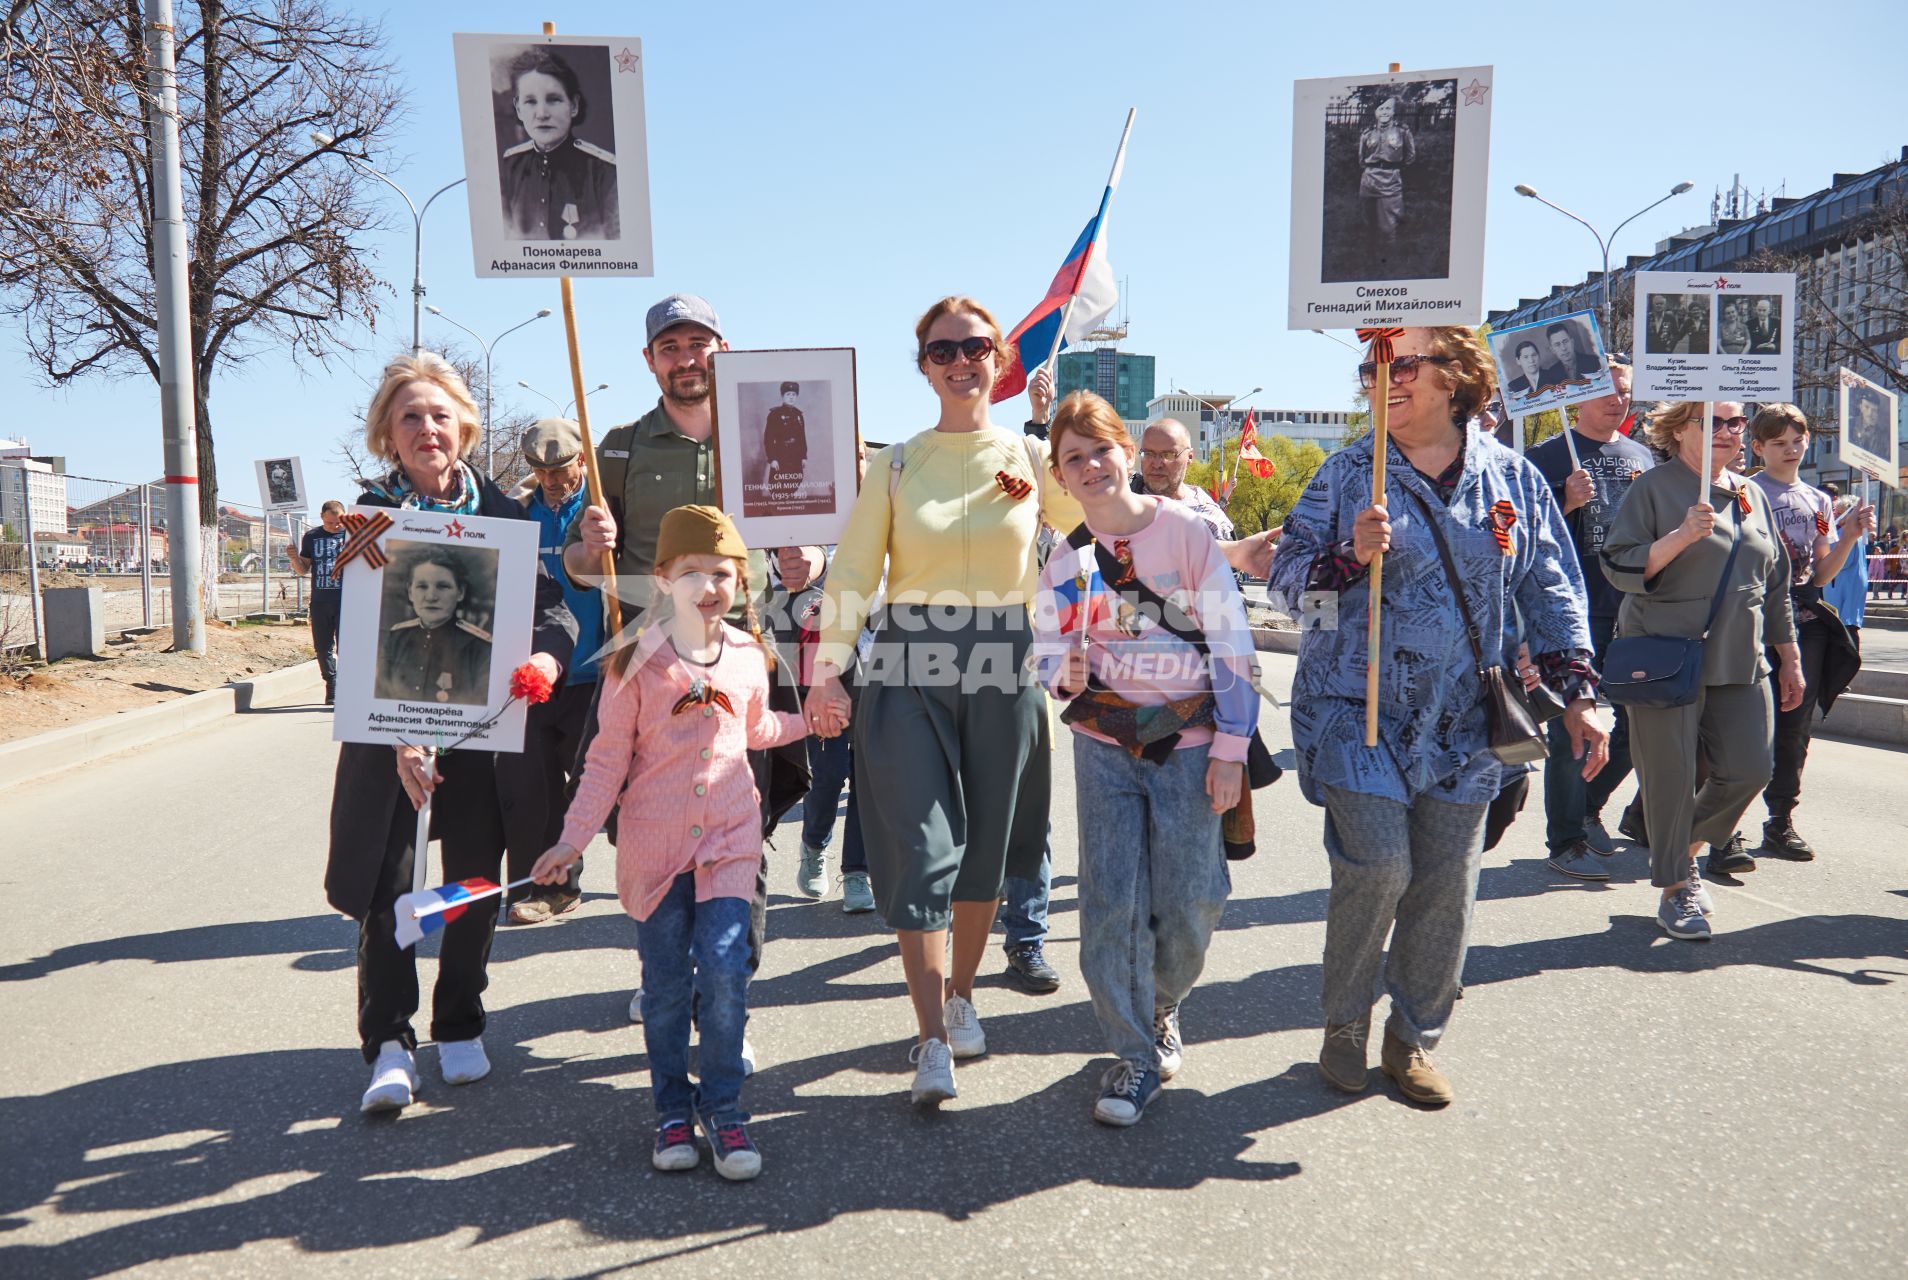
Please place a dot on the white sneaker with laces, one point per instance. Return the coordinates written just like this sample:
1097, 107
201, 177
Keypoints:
933, 1074
965, 1039
636, 1006
393, 1079
463, 1061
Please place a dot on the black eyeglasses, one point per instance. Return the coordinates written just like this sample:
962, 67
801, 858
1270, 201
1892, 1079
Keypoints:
1734, 426
943, 350
1404, 369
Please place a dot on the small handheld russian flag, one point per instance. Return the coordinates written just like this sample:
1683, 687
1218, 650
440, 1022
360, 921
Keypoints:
426, 911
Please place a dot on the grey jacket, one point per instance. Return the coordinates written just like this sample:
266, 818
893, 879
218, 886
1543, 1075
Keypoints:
1755, 609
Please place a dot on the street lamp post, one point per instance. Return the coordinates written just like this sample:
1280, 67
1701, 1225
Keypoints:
1219, 442
490, 439
566, 408
1604, 242
417, 231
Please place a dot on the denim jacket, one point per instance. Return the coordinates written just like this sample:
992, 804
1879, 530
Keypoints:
1432, 731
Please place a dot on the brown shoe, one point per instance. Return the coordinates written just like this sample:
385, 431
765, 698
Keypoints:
1341, 1060
1418, 1079
531, 911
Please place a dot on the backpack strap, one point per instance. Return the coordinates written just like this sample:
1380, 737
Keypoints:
612, 473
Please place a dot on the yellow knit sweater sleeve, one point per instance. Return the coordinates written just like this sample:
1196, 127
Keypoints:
855, 572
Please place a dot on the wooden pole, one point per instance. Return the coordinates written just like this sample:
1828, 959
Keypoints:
1380, 441
612, 606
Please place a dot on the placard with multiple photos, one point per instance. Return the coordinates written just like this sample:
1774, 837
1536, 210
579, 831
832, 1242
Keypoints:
281, 484
1871, 427
427, 642
786, 434
1721, 337
1388, 179
555, 153
1551, 363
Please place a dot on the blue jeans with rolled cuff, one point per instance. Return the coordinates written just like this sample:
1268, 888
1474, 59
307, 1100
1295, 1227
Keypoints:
696, 950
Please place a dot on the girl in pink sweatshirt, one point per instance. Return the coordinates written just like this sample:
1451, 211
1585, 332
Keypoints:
680, 710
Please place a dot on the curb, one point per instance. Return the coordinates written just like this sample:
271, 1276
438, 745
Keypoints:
1266, 638
36, 757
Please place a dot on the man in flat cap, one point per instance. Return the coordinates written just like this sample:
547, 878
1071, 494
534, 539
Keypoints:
533, 785
785, 444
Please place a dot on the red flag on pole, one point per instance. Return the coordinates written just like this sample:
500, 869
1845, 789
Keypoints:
1249, 455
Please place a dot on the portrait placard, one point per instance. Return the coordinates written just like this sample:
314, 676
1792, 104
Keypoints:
1551, 363
786, 433
281, 484
428, 642
1388, 180
1723, 337
1871, 427
555, 153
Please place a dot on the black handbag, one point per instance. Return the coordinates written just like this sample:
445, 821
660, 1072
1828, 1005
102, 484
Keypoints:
1515, 735
1664, 671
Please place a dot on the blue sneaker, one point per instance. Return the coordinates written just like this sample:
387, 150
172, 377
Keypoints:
1681, 915
733, 1150
811, 872
675, 1145
1125, 1090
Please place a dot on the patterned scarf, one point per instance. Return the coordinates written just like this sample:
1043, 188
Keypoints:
398, 488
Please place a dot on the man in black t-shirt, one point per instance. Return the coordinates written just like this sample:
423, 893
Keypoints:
317, 555
1589, 491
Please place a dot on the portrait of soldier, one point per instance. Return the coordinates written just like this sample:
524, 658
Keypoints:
555, 185
785, 439
435, 655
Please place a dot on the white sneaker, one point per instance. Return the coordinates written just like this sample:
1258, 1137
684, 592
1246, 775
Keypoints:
463, 1061
636, 1006
748, 1058
393, 1079
965, 1039
933, 1074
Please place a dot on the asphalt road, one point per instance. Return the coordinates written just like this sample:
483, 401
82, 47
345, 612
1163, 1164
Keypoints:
178, 1090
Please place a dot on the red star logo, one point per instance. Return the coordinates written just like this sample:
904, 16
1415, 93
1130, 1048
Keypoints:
626, 61
1474, 92
455, 529
1722, 282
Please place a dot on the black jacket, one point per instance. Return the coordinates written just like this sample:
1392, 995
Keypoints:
366, 794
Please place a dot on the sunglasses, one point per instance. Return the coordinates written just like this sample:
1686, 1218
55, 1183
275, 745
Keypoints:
1403, 370
1732, 426
943, 350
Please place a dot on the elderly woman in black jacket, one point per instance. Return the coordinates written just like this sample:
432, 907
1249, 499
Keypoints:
423, 420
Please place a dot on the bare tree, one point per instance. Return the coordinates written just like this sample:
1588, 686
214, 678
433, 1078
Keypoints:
1851, 316
273, 221
502, 438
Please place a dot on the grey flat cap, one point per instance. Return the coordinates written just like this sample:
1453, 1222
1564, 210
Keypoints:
552, 442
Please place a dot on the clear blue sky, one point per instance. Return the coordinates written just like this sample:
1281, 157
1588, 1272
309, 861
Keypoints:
822, 173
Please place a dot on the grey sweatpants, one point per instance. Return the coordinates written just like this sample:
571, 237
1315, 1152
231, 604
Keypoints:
1413, 865
1731, 728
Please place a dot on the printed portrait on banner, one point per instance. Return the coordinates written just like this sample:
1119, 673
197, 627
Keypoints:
786, 443
1551, 363
429, 638
1871, 427
1388, 196
555, 154
1715, 337
281, 484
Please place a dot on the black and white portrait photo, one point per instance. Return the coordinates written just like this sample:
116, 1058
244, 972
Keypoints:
555, 153
281, 484
1551, 363
1870, 432
1389, 174
1763, 318
1678, 324
1388, 161
434, 626
558, 156
785, 441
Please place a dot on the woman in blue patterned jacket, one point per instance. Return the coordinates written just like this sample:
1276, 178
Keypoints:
1404, 820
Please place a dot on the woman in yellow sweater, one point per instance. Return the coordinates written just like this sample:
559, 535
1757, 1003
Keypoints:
951, 745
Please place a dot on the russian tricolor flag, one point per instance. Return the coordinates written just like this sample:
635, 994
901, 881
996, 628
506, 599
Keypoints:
429, 910
1084, 277
1080, 601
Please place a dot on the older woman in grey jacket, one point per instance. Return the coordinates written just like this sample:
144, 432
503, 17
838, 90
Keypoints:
1667, 553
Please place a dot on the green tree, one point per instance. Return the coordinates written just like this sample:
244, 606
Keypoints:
1262, 503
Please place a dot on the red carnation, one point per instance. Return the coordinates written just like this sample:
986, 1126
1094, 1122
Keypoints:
529, 683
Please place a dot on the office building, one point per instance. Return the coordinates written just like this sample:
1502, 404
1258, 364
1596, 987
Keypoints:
1124, 379
24, 480
1210, 419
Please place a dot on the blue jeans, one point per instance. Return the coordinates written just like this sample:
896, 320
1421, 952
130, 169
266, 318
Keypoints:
1023, 902
831, 762
1153, 884
1569, 801
700, 949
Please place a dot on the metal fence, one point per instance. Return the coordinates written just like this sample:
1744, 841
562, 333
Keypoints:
111, 534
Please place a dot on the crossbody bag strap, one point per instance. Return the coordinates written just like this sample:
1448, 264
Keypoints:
1164, 609
1722, 584
1450, 571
